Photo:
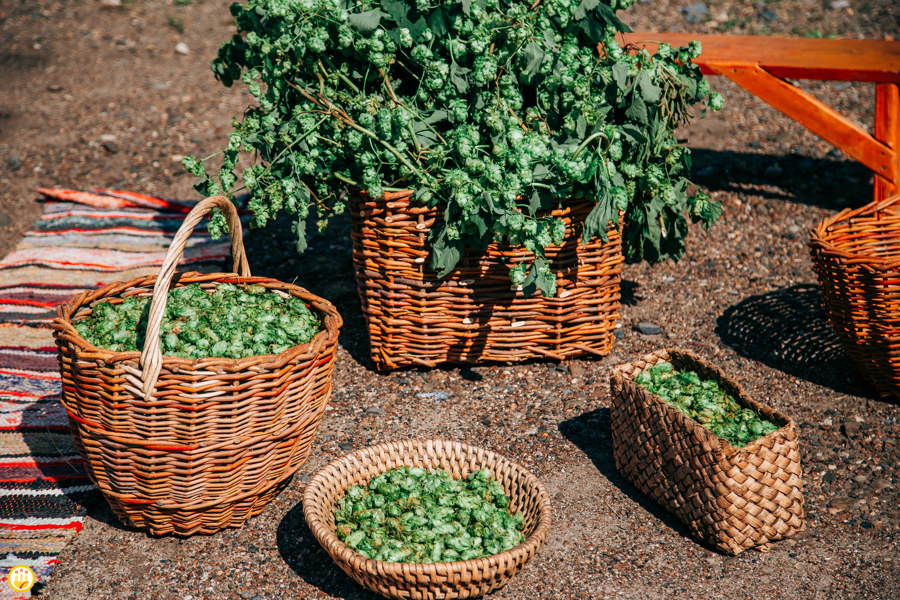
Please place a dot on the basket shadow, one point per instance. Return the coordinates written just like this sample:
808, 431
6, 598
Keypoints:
789, 331
301, 551
325, 269
591, 433
829, 183
50, 446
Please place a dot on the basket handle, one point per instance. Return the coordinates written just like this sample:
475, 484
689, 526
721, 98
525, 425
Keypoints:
151, 357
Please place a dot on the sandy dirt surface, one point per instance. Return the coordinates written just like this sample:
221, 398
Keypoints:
98, 95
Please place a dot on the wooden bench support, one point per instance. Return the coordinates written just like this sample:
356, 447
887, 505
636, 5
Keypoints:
887, 130
817, 117
761, 66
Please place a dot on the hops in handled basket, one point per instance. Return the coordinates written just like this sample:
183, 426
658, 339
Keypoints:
232, 322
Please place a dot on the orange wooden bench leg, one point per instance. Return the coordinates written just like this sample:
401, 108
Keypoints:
887, 131
879, 152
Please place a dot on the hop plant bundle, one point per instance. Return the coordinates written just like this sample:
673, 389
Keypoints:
409, 514
705, 402
496, 111
231, 322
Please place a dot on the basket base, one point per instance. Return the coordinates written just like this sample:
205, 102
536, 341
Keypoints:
184, 523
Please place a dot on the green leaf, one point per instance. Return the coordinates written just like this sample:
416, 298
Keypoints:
545, 280
444, 255
634, 133
299, 229
436, 117
194, 166
586, 6
458, 77
638, 110
439, 22
529, 286
534, 56
493, 206
690, 85
592, 17
541, 171
417, 28
581, 127
480, 224
366, 22
467, 7
620, 74
597, 221
650, 92
397, 11
424, 135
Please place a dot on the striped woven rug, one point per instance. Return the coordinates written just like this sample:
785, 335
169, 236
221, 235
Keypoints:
83, 240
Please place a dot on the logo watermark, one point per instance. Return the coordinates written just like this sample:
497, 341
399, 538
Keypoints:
21, 578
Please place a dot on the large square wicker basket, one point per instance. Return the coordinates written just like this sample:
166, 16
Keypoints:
856, 256
474, 314
732, 498
460, 579
182, 446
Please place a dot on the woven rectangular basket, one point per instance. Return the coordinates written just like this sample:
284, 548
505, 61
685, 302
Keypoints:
474, 314
856, 256
182, 446
732, 498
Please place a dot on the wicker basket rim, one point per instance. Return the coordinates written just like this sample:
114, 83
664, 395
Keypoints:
403, 199
619, 373
820, 236
381, 568
331, 322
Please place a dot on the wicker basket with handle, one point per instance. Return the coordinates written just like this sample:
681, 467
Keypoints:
461, 579
732, 498
474, 314
856, 256
183, 446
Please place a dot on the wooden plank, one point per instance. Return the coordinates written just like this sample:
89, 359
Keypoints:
815, 116
887, 131
875, 61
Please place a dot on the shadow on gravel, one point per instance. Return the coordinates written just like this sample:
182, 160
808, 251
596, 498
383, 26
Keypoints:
833, 184
590, 432
325, 269
102, 512
301, 551
788, 330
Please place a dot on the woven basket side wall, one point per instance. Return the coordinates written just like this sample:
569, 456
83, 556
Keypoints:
732, 498
861, 303
441, 580
474, 315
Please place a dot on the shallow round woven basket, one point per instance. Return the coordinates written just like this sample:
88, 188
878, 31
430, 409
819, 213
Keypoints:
182, 446
856, 256
462, 579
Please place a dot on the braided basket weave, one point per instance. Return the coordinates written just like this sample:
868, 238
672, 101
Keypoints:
474, 314
182, 446
462, 579
856, 256
732, 498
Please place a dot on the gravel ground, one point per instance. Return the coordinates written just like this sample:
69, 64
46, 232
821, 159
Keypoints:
105, 96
